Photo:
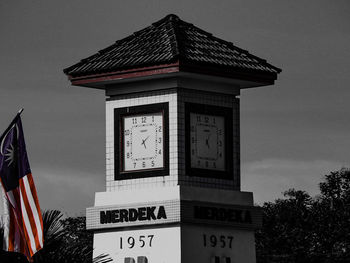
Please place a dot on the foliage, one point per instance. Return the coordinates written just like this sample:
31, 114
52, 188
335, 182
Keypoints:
299, 228
65, 240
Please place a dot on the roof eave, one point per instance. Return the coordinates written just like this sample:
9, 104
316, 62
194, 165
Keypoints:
261, 78
99, 80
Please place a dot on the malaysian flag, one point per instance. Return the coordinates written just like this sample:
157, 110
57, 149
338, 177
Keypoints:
23, 231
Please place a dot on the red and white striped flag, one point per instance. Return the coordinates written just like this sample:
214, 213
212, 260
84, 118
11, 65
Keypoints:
23, 231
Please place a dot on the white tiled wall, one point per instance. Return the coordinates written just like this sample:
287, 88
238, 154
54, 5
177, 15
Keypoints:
138, 99
176, 98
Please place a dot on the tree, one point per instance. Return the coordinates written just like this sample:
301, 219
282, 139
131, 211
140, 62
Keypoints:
285, 235
299, 228
331, 213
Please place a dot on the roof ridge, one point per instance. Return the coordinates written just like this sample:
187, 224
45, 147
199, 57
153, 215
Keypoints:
174, 44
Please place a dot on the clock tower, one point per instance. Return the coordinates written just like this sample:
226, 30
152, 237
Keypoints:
173, 146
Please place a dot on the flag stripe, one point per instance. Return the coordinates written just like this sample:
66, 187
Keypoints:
34, 203
28, 250
11, 231
17, 239
6, 234
31, 194
27, 229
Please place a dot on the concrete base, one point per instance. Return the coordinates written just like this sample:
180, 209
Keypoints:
129, 227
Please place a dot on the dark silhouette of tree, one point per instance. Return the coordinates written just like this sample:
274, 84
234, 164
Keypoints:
299, 228
285, 236
331, 214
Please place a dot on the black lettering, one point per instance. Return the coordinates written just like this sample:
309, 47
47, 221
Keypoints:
207, 213
142, 259
248, 217
129, 260
231, 216
115, 216
133, 214
214, 213
222, 214
150, 213
161, 213
105, 217
123, 215
238, 217
142, 213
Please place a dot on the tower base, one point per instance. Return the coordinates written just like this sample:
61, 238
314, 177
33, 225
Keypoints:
175, 225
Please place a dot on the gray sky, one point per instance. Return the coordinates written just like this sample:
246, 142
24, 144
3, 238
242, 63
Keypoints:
292, 133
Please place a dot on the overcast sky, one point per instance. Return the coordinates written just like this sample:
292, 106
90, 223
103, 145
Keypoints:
292, 133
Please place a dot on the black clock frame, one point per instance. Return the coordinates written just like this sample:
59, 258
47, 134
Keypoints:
227, 113
119, 113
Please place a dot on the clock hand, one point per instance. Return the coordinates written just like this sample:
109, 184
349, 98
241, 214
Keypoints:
144, 142
207, 141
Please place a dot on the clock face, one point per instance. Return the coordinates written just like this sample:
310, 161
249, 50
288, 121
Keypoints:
143, 142
207, 141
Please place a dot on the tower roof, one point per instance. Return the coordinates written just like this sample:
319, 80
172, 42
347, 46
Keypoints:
172, 41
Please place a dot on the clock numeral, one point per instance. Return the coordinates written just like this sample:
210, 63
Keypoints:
160, 128
220, 143
127, 143
127, 132
159, 139
198, 118
192, 151
134, 120
192, 128
206, 119
134, 165
152, 163
160, 152
127, 155
152, 118
143, 119
214, 164
220, 155
206, 164
143, 164
192, 139
199, 162
220, 132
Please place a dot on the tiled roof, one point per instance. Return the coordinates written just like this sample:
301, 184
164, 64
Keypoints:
168, 41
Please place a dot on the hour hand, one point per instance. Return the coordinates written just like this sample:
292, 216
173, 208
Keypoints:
144, 142
207, 141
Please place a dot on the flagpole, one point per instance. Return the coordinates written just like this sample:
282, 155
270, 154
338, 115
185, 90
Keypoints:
11, 124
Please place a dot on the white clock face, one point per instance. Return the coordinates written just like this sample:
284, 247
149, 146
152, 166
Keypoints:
207, 141
143, 142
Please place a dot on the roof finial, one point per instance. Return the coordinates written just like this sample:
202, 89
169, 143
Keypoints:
172, 17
